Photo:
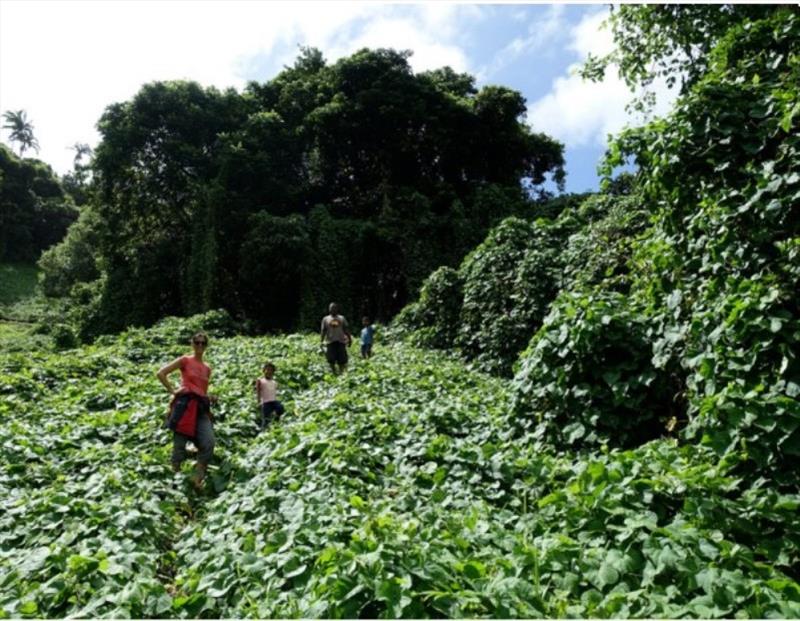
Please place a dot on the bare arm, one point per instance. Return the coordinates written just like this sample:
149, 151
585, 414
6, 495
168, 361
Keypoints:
164, 372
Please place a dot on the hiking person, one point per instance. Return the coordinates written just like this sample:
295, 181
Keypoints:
336, 336
367, 336
190, 415
266, 394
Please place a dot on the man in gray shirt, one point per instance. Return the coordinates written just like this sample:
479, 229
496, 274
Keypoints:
336, 336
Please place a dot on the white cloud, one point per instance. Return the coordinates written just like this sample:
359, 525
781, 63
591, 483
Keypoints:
591, 37
539, 41
404, 33
582, 113
64, 62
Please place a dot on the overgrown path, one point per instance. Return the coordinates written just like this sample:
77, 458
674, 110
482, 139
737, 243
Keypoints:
404, 488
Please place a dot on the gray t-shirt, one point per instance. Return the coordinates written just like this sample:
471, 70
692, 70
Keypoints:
333, 329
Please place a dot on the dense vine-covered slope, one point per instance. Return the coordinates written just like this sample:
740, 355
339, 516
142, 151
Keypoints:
402, 488
641, 462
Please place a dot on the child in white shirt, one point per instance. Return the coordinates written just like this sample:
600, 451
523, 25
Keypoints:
266, 392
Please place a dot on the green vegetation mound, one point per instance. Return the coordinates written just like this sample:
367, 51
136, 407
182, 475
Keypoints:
719, 274
489, 308
587, 378
703, 329
433, 320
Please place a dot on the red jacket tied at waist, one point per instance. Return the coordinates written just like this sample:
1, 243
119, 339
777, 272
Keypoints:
184, 410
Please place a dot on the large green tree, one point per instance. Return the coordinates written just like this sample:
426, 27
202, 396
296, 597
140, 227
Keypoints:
411, 168
34, 211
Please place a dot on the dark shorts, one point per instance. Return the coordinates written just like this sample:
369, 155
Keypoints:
270, 411
337, 353
366, 350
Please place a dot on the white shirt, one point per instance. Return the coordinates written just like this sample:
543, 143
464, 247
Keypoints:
267, 389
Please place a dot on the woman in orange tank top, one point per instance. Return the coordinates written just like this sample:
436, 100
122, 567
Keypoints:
190, 412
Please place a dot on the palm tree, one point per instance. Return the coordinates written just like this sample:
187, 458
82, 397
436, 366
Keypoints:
21, 130
81, 149
81, 170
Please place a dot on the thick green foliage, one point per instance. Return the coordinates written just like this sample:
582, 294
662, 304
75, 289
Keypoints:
553, 207
175, 331
199, 282
713, 283
673, 41
74, 259
17, 282
28, 320
509, 281
433, 320
344, 255
393, 491
412, 169
505, 286
34, 212
414, 486
587, 377
719, 273
274, 261
599, 251
63, 336
20, 306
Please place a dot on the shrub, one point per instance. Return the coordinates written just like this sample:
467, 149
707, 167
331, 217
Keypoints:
64, 337
718, 274
74, 259
509, 282
506, 284
176, 331
587, 377
86, 299
434, 318
600, 251
743, 372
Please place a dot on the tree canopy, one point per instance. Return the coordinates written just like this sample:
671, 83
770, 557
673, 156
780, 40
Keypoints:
409, 169
34, 209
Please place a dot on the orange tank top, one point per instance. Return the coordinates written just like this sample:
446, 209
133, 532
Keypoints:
194, 375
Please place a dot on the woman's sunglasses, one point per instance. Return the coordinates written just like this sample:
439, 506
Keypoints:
198, 342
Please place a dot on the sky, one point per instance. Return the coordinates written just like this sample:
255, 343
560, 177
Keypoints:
63, 62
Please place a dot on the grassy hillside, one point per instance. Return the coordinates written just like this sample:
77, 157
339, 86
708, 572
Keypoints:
399, 489
17, 281
20, 306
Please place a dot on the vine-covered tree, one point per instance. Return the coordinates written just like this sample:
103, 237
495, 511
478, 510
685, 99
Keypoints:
411, 168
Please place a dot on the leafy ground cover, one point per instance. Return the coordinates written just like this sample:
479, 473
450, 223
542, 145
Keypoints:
401, 489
